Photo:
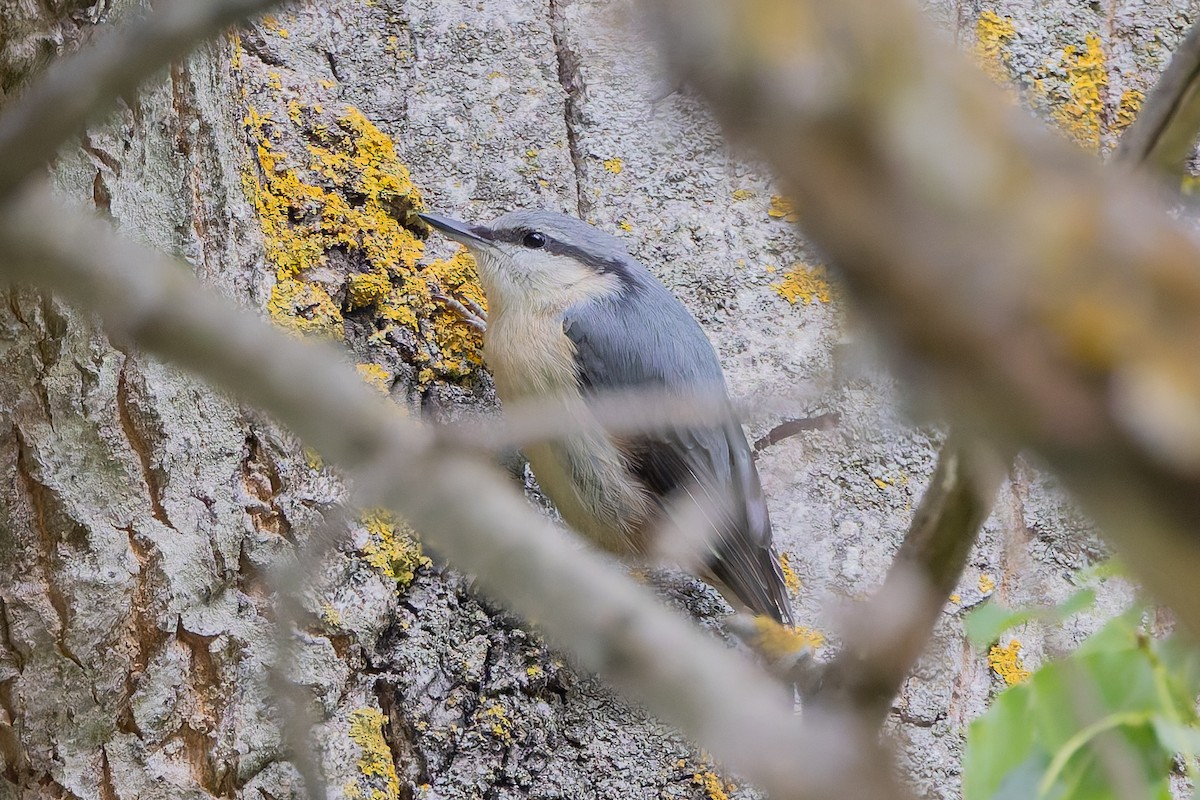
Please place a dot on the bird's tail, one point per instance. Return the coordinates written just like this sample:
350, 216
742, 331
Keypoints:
754, 578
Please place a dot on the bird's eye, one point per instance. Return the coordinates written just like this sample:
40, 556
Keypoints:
534, 240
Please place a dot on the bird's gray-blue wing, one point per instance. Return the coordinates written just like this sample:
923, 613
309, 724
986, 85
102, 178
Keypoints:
646, 339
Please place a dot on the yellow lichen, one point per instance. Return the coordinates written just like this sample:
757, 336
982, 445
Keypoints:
992, 35
305, 308
331, 616
534, 671
614, 165
742, 194
367, 288
1128, 108
348, 193
1006, 662
376, 376
987, 584
714, 787
391, 547
782, 208
956, 599
804, 283
376, 777
500, 724
235, 59
625, 225
777, 641
790, 579
459, 345
1081, 112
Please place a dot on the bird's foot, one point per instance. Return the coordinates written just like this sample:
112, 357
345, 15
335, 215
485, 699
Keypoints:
467, 309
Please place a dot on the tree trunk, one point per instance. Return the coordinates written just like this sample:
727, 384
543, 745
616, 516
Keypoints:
145, 511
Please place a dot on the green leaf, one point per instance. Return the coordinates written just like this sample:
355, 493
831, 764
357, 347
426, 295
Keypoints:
1000, 743
985, 624
1175, 736
1102, 724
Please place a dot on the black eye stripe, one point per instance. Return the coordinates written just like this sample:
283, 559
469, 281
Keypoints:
604, 264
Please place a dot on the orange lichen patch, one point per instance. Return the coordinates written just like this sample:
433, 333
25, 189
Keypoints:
1128, 108
346, 194
987, 584
777, 641
376, 779
272, 24
331, 616
782, 208
235, 59
804, 283
499, 723
790, 579
714, 787
614, 165
1006, 662
367, 288
376, 376
391, 547
992, 35
305, 308
1078, 106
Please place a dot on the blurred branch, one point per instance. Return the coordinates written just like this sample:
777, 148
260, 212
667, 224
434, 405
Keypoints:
35, 125
884, 638
298, 701
611, 625
1163, 135
880, 651
1047, 301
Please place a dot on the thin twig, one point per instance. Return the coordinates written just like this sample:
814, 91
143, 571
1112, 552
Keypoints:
586, 605
1164, 133
794, 427
35, 125
884, 639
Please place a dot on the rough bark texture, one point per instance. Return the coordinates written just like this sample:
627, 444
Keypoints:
144, 512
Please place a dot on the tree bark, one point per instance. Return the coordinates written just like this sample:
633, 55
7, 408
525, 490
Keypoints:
145, 511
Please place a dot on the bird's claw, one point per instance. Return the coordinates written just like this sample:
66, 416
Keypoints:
467, 309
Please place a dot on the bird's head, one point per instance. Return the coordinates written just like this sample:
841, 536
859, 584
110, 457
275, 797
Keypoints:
542, 259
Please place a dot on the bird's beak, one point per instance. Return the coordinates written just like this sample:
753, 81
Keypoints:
461, 232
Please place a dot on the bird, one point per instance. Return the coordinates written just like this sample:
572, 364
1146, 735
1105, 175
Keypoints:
570, 315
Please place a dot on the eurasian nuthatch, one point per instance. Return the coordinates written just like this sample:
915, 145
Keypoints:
571, 313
